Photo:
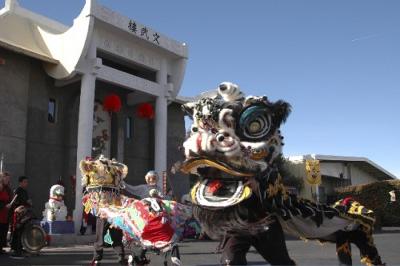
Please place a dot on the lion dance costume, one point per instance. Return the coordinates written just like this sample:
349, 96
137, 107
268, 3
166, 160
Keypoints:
233, 146
152, 223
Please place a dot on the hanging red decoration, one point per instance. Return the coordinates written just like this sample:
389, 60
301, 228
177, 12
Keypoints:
112, 103
145, 110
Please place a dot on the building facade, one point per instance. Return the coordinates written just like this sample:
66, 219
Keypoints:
336, 172
54, 82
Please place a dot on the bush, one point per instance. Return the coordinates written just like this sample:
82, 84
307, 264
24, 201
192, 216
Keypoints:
376, 197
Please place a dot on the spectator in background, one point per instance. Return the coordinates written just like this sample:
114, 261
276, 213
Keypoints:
5, 199
20, 208
21, 193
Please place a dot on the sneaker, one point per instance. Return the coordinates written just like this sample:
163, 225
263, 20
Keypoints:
98, 256
16, 255
94, 262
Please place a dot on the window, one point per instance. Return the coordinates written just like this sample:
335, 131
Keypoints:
51, 111
129, 127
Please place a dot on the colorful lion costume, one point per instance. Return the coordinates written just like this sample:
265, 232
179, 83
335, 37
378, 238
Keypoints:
152, 222
233, 146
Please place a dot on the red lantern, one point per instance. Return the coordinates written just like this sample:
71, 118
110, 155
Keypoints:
112, 103
145, 110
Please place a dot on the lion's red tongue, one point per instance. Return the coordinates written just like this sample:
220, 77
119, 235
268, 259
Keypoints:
213, 186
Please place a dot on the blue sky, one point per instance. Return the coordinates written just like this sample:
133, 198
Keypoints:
336, 62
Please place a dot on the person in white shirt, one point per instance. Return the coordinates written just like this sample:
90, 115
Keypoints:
142, 191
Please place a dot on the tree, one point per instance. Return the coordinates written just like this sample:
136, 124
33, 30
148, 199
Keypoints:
288, 178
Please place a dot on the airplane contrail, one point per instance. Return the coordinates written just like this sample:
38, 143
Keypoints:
365, 37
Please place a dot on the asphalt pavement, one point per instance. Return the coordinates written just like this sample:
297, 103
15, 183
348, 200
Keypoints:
202, 253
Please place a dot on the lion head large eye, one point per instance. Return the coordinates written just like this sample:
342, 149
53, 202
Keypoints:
254, 123
255, 126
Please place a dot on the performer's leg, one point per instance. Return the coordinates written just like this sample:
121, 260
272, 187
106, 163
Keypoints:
92, 222
234, 250
116, 236
363, 240
16, 244
272, 246
98, 244
175, 252
175, 256
343, 248
16, 235
140, 259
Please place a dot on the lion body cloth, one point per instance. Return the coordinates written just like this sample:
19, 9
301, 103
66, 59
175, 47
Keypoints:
240, 198
152, 222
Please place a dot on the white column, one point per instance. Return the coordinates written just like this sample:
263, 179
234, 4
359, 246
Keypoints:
160, 125
85, 131
160, 134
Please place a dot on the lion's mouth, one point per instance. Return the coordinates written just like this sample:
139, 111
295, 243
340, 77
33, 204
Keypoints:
220, 185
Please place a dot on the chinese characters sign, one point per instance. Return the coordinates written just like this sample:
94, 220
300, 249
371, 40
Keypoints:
143, 32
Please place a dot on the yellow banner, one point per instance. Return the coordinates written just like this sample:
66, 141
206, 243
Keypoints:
313, 172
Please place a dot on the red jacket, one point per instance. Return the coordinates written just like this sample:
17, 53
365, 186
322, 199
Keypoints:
5, 198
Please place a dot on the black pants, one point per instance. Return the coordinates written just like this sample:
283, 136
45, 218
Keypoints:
270, 244
116, 235
3, 235
16, 243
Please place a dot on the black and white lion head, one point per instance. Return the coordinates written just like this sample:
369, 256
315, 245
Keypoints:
233, 138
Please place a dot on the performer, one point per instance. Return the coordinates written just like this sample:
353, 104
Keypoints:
142, 191
152, 223
102, 180
234, 146
150, 189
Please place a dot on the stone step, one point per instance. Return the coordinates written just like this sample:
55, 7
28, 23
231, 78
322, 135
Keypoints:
62, 240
